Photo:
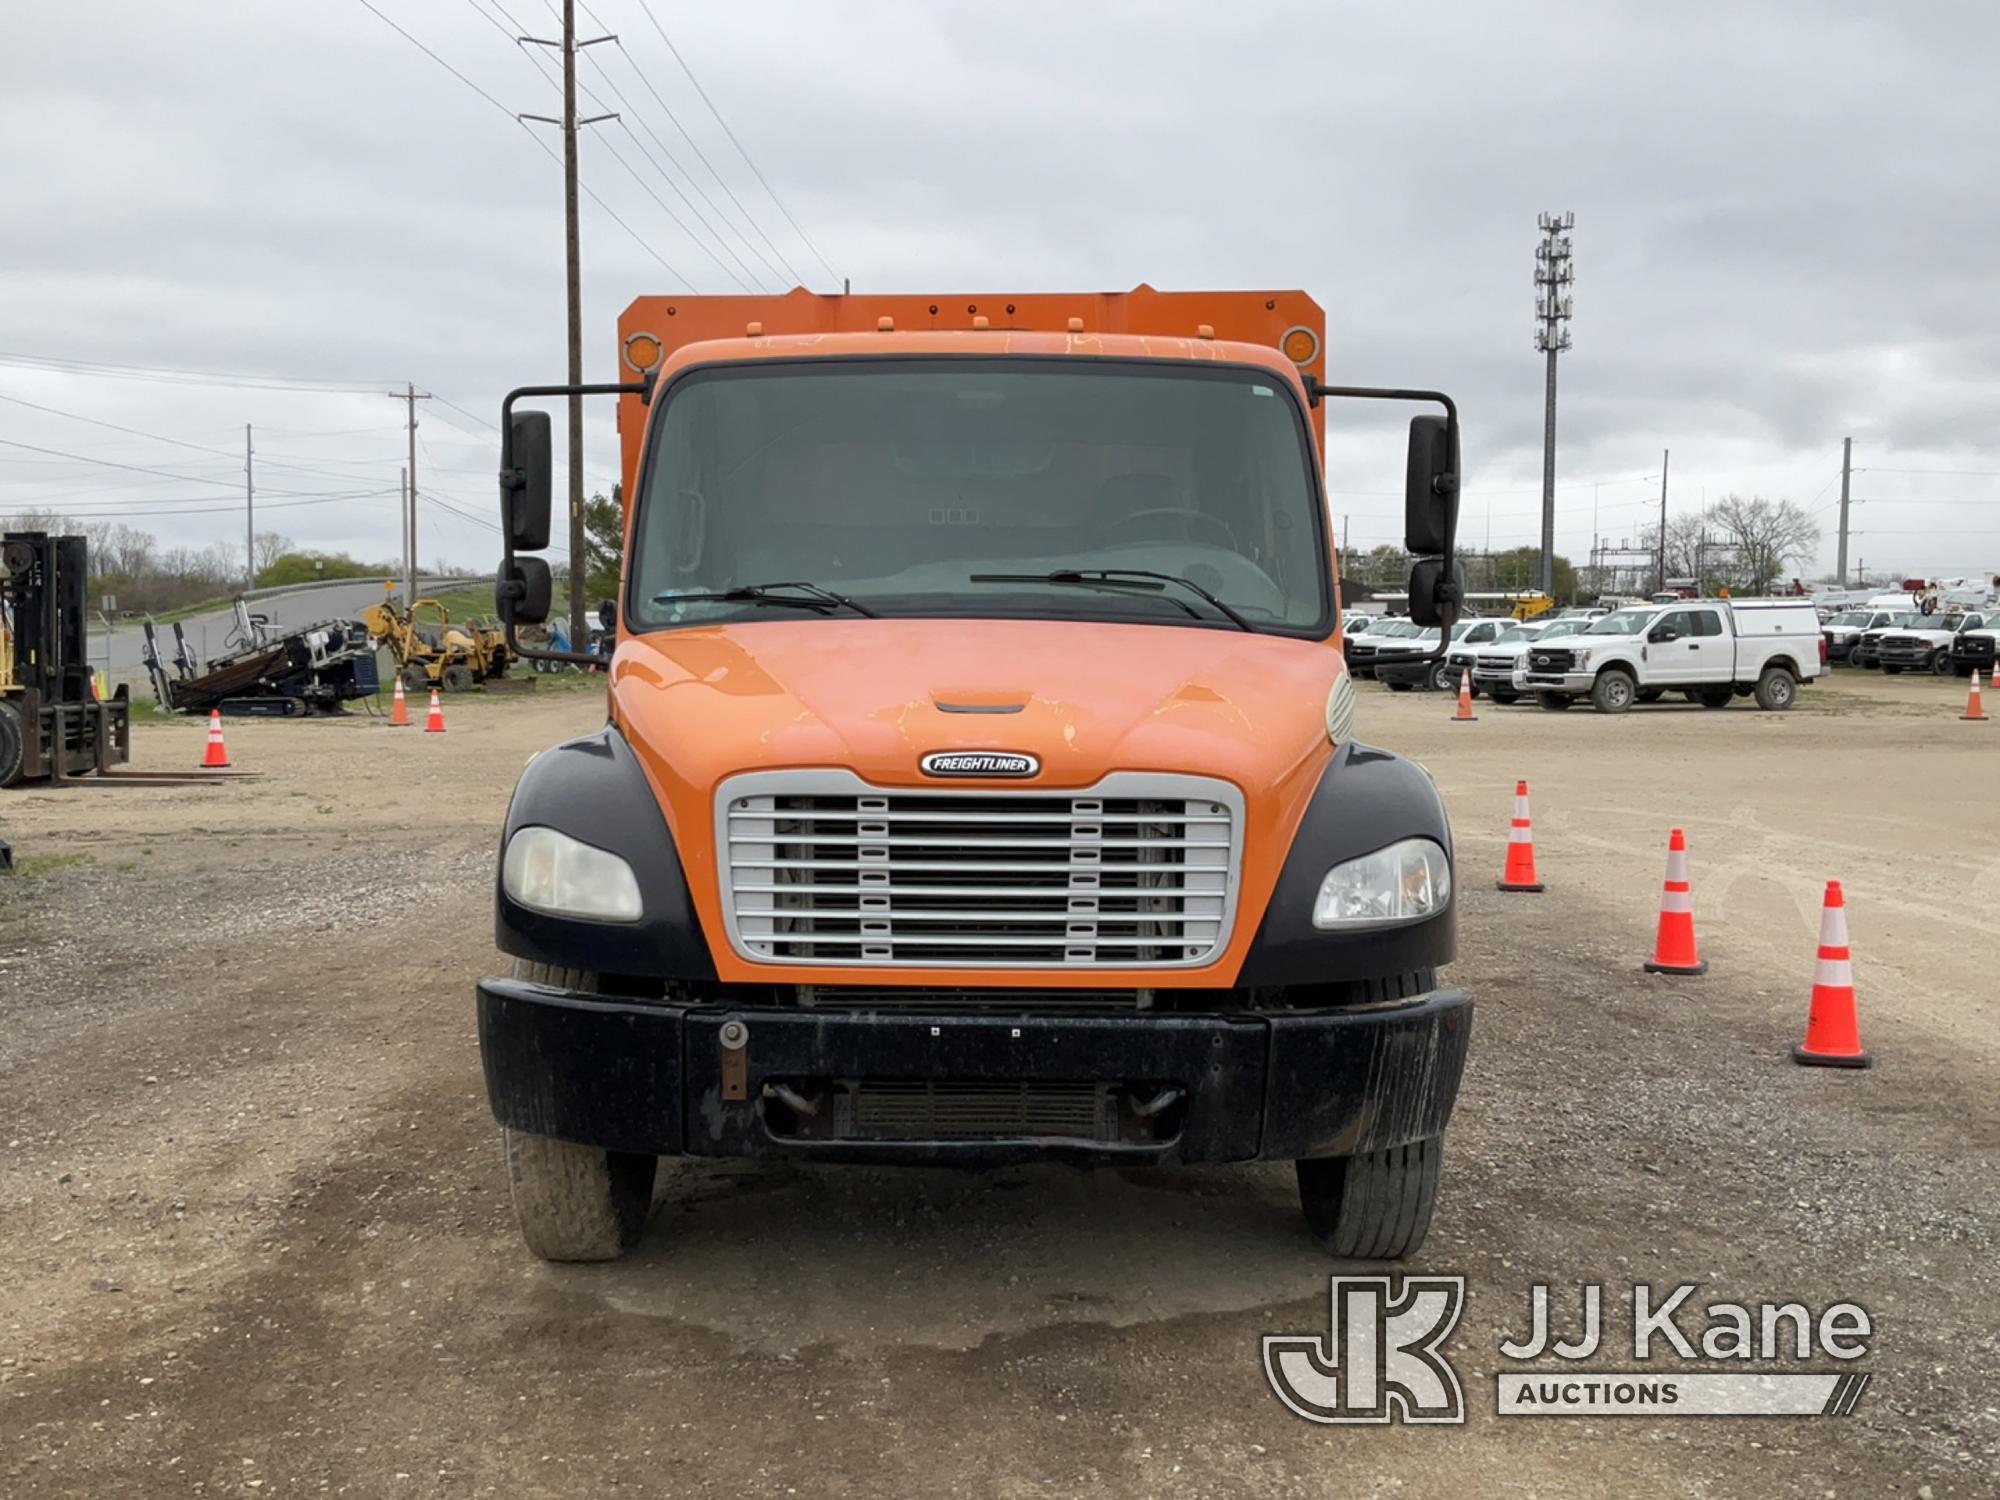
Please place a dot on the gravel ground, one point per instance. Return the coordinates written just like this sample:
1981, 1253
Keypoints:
258, 1240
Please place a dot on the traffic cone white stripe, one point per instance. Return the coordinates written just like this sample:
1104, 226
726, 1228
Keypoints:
1835, 973
1833, 927
1677, 867
1520, 833
1676, 901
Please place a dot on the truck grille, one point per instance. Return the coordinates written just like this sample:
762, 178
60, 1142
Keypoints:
1902, 650
1493, 666
857, 997
1547, 660
1139, 871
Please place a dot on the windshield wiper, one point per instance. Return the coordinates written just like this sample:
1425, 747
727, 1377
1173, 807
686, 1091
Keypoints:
1121, 578
815, 597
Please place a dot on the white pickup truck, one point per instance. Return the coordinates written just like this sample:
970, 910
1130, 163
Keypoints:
1713, 650
1922, 643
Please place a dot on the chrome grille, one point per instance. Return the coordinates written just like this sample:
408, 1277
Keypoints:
1138, 871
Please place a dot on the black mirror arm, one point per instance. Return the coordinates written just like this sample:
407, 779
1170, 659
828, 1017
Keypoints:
1450, 594
511, 478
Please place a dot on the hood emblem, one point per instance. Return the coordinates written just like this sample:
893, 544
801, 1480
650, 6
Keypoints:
980, 763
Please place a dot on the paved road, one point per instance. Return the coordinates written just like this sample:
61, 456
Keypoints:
209, 634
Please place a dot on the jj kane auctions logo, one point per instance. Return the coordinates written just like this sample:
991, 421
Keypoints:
1382, 1358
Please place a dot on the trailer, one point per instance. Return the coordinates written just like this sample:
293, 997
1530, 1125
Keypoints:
52, 725
315, 669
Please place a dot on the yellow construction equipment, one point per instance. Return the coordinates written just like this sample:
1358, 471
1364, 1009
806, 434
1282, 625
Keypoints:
430, 651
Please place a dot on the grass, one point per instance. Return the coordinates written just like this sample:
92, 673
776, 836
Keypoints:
41, 866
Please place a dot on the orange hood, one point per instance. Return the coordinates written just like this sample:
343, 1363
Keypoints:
700, 705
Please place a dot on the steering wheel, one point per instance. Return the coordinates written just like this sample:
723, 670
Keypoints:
1221, 527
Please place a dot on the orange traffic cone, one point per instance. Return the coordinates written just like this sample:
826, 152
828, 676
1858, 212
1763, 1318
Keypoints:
216, 756
1833, 1032
1675, 953
1465, 715
435, 723
1520, 872
399, 709
1973, 708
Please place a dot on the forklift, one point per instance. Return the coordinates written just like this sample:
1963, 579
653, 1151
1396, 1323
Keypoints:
52, 725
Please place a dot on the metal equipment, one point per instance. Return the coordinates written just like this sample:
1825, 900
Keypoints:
52, 725
313, 669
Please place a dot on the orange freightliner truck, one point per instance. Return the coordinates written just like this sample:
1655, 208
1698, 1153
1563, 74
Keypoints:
980, 782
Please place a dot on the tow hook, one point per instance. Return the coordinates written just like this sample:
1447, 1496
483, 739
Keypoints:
1146, 1109
791, 1098
735, 1041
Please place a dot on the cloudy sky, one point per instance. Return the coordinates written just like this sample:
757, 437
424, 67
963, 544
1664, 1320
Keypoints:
1787, 231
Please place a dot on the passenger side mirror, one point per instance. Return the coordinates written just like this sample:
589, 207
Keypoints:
523, 591
524, 484
1430, 487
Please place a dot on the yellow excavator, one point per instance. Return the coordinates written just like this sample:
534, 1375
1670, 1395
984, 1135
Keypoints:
430, 651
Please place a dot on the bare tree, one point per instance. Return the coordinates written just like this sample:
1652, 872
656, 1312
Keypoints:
1768, 536
269, 547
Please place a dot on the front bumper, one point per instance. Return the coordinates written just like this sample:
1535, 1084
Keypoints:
1407, 669
1576, 682
655, 1076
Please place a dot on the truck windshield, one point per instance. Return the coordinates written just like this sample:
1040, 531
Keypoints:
893, 482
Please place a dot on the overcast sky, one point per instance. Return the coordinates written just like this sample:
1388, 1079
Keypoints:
1787, 230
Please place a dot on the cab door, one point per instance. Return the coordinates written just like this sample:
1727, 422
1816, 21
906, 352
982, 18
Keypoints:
1691, 647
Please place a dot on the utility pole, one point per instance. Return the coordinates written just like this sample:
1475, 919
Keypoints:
1665, 455
406, 517
579, 628
1846, 473
410, 396
1553, 275
249, 512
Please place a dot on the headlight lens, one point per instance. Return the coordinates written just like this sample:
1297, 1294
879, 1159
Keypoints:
1581, 656
1405, 882
1340, 710
552, 872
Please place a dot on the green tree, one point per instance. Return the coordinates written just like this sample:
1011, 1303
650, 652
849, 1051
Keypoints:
603, 544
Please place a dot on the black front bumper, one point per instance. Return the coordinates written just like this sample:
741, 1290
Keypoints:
649, 1076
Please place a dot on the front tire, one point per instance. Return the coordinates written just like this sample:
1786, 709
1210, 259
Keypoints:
1376, 1206
1776, 690
13, 744
1613, 692
573, 1202
1444, 678
1941, 664
1503, 696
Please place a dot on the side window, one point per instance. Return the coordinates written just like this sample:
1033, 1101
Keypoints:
1706, 621
1680, 622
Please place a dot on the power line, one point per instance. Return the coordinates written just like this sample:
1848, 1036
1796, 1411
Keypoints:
173, 376
648, 10
585, 187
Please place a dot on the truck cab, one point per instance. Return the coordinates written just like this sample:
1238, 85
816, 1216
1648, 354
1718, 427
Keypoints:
982, 780
1713, 650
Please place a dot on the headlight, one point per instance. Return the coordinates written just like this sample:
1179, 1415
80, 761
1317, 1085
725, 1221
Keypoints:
1340, 710
552, 872
1580, 656
1405, 882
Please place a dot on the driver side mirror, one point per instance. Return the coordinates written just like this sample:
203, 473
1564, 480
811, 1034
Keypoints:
524, 483
1661, 634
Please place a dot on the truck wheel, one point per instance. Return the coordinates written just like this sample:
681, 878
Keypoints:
1714, 697
1613, 692
1776, 689
1372, 1207
1941, 664
457, 678
13, 746
1503, 696
415, 679
1444, 678
575, 1202
1554, 702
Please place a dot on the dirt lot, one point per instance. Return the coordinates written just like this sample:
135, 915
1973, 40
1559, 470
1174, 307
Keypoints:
257, 1240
